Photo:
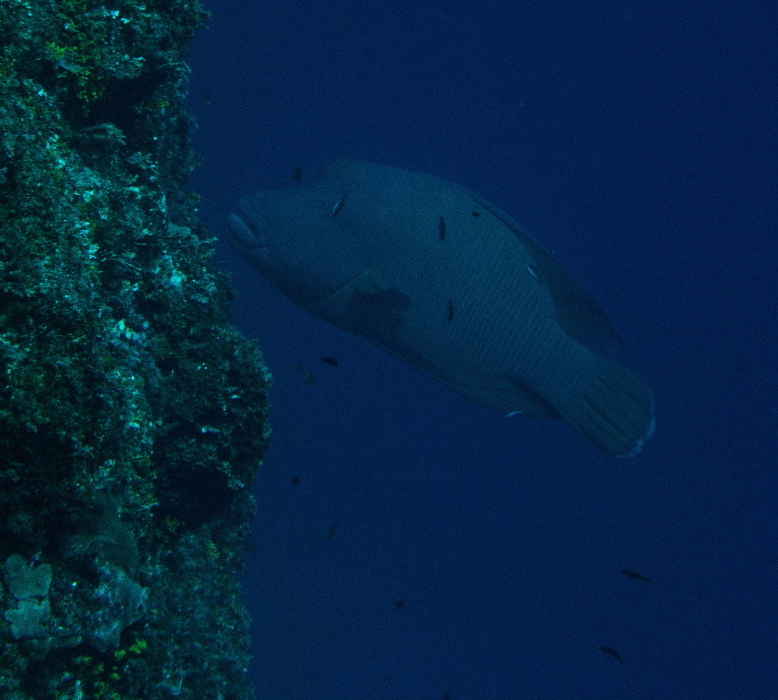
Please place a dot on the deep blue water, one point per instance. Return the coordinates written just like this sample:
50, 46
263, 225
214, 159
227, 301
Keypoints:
431, 546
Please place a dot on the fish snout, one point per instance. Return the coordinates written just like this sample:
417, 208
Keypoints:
246, 237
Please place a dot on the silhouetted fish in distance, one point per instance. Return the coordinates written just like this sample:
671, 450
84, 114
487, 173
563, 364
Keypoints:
636, 575
613, 653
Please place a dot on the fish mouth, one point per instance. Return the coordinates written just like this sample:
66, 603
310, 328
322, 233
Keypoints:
246, 237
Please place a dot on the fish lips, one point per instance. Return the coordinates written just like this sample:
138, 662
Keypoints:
248, 237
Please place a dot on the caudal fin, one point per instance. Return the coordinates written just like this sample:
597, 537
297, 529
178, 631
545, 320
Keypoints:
615, 411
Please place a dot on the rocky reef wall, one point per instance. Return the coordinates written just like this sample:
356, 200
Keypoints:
133, 417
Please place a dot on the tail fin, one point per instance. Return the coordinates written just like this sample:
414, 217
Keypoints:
616, 411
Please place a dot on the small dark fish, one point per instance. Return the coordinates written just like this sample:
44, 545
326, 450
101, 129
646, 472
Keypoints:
295, 480
329, 360
450, 310
332, 531
297, 175
476, 213
308, 377
337, 206
610, 651
441, 228
399, 604
636, 575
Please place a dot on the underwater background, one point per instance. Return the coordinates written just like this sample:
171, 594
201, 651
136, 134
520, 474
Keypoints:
412, 545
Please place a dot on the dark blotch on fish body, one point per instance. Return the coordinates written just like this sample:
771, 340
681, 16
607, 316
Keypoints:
329, 360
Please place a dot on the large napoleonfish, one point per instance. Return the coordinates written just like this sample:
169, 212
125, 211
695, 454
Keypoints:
449, 282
